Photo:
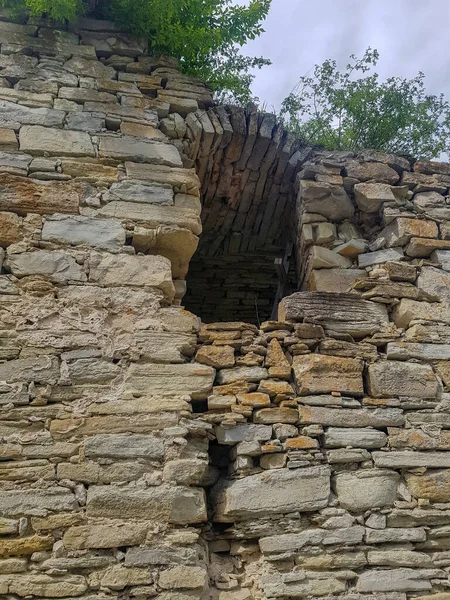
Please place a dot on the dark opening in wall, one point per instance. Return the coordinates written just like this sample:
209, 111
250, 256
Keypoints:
231, 288
247, 165
234, 287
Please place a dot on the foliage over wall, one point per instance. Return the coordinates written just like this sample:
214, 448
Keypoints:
341, 111
204, 34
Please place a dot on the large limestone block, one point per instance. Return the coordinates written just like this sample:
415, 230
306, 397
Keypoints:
333, 280
76, 230
105, 533
44, 586
89, 171
118, 577
401, 230
394, 378
36, 502
417, 439
376, 171
23, 195
341, 417
337, 313
175, 243
183, 577
293, 542
10, 229
304, 584
319, 374
443, 258
405, 351
91, 370
134, 191
57, 267
189, 471
16, 164
439, 419
16, 113
89, 68
435, 282
26, 545
336, 437
219, 357
395, 580
379, 256
164, 346
178, 178
395, 535
252, 374
432, 485
330, 201
124, 446
245, 432
361, 490
40, 369
167, 504
409, 310
272, 493
399, 558
55, 142
170, 380
424, 247
323, 258
371, 196
155, 215
139, 150
410, 460
126, 269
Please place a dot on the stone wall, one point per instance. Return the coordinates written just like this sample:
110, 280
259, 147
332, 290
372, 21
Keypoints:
101, 469
144, 454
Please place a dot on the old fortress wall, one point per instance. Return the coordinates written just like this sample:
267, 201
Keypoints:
183, 446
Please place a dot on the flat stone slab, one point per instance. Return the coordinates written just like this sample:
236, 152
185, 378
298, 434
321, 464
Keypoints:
151, 380
139, 150
394, 378
361, 490
336, 437
409, 459
337, 313
167, 504
24, 195
318, 374
55, 142
272, 493
77, 230
36, 502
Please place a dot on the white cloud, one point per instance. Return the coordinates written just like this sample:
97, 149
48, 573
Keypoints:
411, 36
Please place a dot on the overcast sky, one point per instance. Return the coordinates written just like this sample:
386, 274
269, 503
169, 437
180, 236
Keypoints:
410, 35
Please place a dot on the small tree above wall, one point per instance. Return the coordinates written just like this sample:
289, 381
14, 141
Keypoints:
206, 35
353, 110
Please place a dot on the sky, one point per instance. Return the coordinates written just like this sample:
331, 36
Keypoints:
410, 35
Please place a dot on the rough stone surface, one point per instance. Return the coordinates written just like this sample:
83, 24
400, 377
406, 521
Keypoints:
273, 492
172, 504
78, 230
366, 489
146, 452
42, 140
393, 378
324, 374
